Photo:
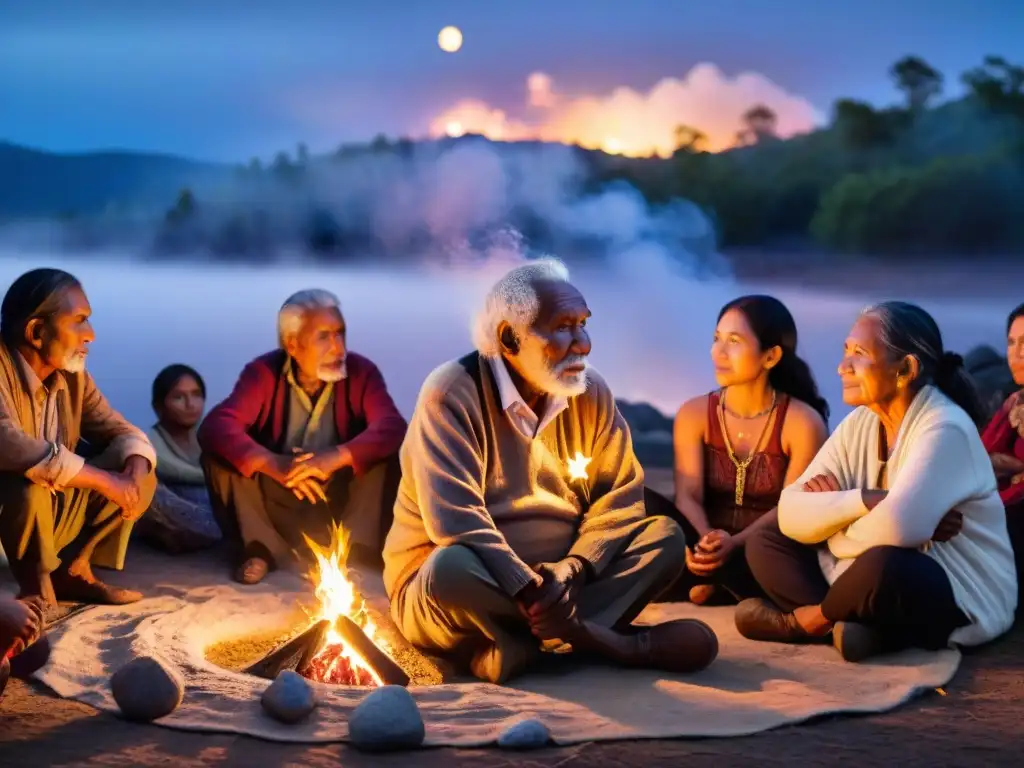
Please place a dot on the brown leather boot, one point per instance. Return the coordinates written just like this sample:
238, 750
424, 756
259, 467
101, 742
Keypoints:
759, 619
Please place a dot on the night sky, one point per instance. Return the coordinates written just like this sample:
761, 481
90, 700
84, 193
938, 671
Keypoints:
226, 79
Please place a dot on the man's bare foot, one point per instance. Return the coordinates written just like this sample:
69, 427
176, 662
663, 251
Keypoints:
77, 584
252, 571
40, 589
681, 646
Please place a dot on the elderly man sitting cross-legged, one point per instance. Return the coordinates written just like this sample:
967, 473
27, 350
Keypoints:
308, 438
496, 553
61, 515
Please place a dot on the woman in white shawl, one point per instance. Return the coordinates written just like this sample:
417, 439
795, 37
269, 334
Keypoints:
180, 518
894, 536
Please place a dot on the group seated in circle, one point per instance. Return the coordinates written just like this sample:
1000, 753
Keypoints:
897, 529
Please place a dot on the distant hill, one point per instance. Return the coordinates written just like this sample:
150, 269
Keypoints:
38, 183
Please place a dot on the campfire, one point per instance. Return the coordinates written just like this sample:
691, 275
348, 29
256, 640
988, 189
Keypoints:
342, 645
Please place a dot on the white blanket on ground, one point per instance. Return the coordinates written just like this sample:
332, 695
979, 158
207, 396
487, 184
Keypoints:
751, 687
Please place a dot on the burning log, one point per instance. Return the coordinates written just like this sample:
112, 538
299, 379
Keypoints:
296, 654
314, 656
388, 672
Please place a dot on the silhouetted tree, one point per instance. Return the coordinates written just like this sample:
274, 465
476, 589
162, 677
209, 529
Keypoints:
183, 209
861, 126
283, 168
689, 139
998, 85
380, 143
918, 80
759, 123
302, 154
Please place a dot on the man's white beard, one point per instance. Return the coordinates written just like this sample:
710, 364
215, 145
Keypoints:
74, 363
332, 375
546, 378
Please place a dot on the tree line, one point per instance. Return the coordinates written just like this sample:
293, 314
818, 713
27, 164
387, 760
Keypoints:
921, 176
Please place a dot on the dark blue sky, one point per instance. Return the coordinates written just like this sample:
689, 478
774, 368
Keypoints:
225, 79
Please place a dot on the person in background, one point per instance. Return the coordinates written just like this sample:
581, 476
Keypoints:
308, 438
520, 525
1004, 438
62, 514
737, 448
895, 535
180, 518
24, 647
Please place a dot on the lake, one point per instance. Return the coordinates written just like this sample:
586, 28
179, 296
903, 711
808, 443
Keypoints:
651, 326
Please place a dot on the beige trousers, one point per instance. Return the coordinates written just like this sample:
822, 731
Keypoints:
453, 605
266, 518
40, 529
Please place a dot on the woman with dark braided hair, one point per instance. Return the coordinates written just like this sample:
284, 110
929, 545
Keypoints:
737, 447
895, 535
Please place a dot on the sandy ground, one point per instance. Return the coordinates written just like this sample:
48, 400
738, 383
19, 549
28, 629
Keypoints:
976, 722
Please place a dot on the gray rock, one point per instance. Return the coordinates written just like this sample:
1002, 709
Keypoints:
387, 719
529, 733
146, 689
290, 698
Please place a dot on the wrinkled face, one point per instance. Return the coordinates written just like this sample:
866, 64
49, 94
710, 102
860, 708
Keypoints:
868, 374
319, 346
183, 406
736, 352
553, 353
63, 340
1015, 350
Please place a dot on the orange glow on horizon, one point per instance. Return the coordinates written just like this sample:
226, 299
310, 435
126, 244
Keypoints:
631, 123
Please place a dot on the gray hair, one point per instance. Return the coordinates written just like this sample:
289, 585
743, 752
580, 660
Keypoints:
295, 307
514, 300
907, 329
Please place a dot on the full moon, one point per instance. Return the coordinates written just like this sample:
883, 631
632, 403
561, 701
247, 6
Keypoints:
450, 39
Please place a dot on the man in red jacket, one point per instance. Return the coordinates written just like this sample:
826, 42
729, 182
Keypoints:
309, 436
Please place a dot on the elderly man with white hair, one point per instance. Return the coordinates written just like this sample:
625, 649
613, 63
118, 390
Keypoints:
520, 525
308, 437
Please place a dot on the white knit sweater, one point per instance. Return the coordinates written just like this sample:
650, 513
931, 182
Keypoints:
938, 463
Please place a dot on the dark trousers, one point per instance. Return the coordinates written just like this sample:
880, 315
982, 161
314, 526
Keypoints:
1015, 527
902, 593
734, 577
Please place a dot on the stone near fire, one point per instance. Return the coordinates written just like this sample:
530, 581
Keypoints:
387, 719
528, 733
290, 698
146, 689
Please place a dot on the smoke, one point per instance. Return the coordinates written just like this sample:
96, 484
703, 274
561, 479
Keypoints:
438, 202
632, 123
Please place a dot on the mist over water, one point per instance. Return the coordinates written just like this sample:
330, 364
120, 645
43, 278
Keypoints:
651, 327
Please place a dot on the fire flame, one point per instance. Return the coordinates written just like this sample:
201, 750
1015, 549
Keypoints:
338, 662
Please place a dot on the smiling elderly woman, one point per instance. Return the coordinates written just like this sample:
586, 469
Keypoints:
894, 536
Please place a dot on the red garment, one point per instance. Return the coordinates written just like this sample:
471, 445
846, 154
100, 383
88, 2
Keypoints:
251, 421
766, 474
1001, 437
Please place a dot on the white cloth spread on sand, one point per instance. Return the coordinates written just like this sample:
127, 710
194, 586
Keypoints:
752, 687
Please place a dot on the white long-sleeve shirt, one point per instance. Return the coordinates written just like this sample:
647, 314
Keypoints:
938, 463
